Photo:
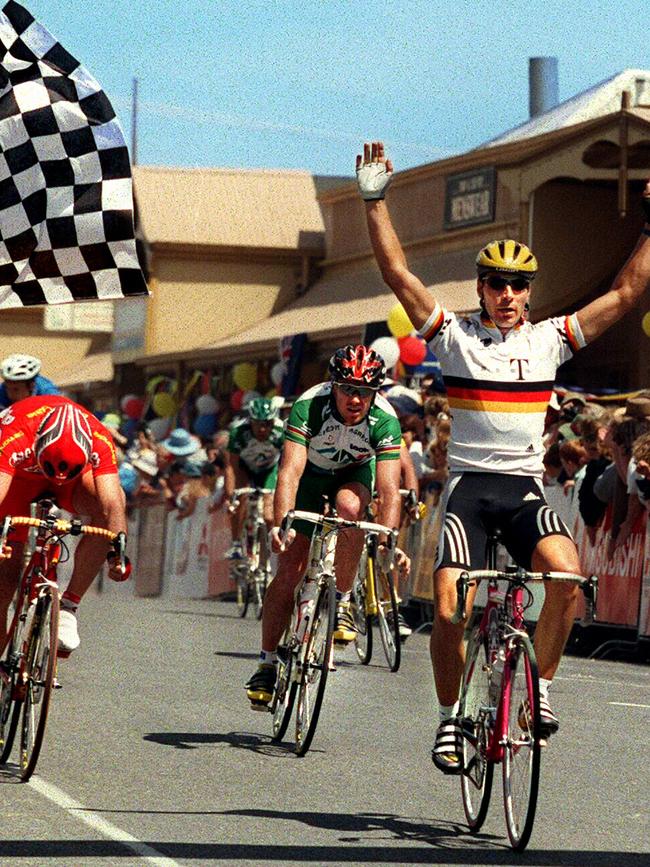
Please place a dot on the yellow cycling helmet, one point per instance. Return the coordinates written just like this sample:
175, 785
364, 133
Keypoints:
508, 256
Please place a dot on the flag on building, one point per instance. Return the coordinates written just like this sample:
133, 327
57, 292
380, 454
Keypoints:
66, 197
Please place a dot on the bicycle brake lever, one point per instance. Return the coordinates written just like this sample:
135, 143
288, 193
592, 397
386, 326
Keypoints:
461, 594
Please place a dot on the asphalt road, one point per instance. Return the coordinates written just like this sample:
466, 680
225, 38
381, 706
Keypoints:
152, 756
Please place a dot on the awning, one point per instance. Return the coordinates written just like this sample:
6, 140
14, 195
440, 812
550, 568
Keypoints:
92, 368
339, 306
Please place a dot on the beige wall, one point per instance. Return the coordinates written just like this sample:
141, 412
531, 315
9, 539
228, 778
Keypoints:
22, 331
197, 303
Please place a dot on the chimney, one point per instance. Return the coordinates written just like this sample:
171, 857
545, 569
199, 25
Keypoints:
543, 88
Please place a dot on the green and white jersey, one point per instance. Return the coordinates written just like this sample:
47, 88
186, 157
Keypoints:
332, 445
256, 455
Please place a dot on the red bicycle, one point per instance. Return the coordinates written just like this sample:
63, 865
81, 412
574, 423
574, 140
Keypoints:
29, 657
499, 698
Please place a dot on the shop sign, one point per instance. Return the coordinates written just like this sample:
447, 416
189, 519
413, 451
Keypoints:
470, 198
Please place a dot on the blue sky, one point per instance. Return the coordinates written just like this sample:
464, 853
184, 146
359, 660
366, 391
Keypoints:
299, 84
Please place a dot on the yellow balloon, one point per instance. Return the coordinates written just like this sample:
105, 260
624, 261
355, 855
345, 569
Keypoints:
244, 375
645, 324
164, 405
399, 324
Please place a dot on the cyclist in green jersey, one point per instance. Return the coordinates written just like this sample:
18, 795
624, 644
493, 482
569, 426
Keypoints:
252, 458
342, 439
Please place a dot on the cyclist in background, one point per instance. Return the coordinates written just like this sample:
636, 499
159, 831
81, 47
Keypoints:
252, 459
499, 371
341, 438
22, 378
52, 447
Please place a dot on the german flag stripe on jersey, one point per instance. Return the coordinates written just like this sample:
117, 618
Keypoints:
433, 324
491, 396
296, 435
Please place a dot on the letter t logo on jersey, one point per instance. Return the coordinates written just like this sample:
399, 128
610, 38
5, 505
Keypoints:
520, 365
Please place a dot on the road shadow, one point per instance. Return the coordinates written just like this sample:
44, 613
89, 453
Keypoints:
445, 850
262, 744
233, 654
215, 614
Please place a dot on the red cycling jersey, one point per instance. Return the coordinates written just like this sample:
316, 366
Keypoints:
18, 426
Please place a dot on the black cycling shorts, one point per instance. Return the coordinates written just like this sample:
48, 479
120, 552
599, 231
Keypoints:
477, 503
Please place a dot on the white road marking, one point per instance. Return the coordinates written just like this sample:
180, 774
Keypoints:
627, 704
95, 821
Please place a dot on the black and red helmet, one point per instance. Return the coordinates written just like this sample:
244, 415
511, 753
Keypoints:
357, 365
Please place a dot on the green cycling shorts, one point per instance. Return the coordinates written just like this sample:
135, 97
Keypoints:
313, 486
264, 479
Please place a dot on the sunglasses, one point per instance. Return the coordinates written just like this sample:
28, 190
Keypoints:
518, 284
355, 390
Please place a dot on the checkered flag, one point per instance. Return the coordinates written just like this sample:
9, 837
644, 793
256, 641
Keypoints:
66, 199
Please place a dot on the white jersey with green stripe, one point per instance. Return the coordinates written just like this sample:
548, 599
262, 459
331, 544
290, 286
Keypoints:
332, 445
256, 455
499, 387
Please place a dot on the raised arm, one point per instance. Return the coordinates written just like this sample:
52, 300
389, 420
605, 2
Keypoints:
374, 173
629, 285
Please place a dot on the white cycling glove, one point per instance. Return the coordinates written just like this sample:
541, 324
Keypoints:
373, 181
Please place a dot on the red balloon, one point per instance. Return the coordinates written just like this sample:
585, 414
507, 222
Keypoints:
412, 350
236, 399
134, 408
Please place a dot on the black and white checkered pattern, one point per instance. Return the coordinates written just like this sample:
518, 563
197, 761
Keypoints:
66, 198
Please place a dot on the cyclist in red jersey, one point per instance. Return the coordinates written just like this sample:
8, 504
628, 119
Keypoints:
50, 445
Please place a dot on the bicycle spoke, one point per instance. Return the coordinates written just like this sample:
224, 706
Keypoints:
477, 714
40, 670
522, 751
315, 667
363, 639
285, 691
387, 616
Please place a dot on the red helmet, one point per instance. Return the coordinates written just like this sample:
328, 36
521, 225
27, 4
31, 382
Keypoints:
357, 365
63, 443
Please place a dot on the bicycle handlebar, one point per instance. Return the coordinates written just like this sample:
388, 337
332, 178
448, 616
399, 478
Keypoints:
338, 523
589, 586
238, 493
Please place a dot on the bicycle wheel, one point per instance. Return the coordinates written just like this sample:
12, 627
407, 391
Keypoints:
363, 623
259, 582
521, 757
476, 720
387, 614
285, 689
240, 575
315, 665
40, 670
9, 713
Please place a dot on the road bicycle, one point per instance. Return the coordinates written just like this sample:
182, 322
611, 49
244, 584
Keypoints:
375, 598
29, 658
253, 573
305, 653
499, 697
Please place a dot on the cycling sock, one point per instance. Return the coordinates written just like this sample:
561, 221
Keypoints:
70, 601
268, 657
449, 711
343, 597
544, 687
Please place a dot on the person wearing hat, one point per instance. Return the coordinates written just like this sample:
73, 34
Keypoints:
148, 490
499, 370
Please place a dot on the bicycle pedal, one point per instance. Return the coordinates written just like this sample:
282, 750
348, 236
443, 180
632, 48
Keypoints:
63, 654
260, 706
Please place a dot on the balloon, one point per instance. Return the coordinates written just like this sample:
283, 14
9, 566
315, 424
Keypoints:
412, 350
236, 399
126, 399
278, 372
134, 408
398, 322
248, 396
388, 348
153, 383
205, 425
206, 405
164, 405
160, 427
244, 375
110, 418
645, 324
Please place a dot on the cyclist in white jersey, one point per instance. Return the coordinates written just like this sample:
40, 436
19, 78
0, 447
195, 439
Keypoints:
499, 370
